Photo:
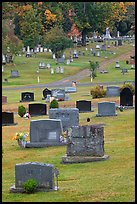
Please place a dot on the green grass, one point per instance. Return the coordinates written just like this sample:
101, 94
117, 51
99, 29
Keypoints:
112, 180
28, 67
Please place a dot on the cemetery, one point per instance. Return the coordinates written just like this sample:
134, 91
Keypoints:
83, 149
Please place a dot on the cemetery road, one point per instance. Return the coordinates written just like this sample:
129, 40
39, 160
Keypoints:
80, 75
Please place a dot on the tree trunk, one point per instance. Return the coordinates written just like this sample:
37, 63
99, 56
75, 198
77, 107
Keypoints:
84, 33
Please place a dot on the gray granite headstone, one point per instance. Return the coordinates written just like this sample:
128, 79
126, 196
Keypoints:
45, 132
70, 89
113, 91
58, 94
68, 116
85, 144
14, 73
106, 109
41, 172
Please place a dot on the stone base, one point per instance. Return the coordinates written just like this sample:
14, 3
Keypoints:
100, 115
86, 111
13, 189
42, 144
82, 159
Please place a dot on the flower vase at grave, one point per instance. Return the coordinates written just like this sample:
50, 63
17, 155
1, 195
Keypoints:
22, 143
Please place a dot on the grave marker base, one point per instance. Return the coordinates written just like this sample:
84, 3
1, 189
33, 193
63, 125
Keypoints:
13, 189
82, 159
42, 144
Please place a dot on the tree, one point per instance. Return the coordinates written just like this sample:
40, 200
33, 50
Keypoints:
11, 44
30, 28
56, 40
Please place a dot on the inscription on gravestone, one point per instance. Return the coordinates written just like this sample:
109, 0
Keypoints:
45, 132
68, 116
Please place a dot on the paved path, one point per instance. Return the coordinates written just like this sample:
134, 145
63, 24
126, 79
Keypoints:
65, 82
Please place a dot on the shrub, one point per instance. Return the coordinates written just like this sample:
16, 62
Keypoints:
97, 92
21, 111
54, 104
129, 85
30, 185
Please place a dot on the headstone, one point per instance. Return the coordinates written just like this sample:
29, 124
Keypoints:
61, 70
8, 118
45, 49
57, 70
85, 144
58, 94
45, 132
132, 60
27, 96
83, 106
60, 60
48, 66
126, 97
53, 56
68, 61
70, 89
106, 109
4, 99
41, 49
107, 36
14, 73
52, 71
41, 172
117, 34
42, 65
97, 46
3, 59
117, 65
124, 70
119, 42
103, 47
46, 92
37, 109
112, 91
103, 71
68, 116
98, 54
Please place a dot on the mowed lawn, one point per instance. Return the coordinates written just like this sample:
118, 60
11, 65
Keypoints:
112, 180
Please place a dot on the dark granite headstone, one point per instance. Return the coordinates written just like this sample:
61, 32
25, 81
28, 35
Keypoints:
126, 97
46, 92
27, 96
8, 118
36, 109
83, 105
4, 99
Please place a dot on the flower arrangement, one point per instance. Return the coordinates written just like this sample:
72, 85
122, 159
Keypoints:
20, 136
121, 108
